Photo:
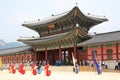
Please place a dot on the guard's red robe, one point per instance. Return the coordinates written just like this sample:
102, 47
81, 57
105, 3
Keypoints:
21, 69
9, 68
34, 71
47, 70
13, 69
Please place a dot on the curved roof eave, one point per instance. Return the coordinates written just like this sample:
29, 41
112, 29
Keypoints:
55, 37
102, 38
46, 20
15, 50
101, 19
55, 18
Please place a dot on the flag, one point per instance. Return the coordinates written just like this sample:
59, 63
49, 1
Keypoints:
98, 65
0, 62
73, 62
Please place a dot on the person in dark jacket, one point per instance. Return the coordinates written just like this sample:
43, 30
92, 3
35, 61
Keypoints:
119, 65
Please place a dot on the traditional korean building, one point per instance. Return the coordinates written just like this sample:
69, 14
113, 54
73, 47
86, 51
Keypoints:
107, 46
61, 35
16, 55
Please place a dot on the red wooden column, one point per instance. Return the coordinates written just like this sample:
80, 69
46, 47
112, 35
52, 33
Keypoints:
6, 59
60, 53
35, 56
117, 55
46, 55
86, 53
25, 61
75, 47
102, 52
19, 58
10, 58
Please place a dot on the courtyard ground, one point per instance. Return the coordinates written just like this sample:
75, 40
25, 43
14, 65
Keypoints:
60, 75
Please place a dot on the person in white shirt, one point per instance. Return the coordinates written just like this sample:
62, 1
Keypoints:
105, 63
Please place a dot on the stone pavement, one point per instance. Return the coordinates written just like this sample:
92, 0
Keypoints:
60, 75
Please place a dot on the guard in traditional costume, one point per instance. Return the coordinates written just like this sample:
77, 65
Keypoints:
13, 69
77, 68
10, 68
34, 72
39, 69
21, 69
47, 70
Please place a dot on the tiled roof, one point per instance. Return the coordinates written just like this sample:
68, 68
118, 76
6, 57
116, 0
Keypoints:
43, 39
56, 37
14, 50
59, 16
46, 20
104, 37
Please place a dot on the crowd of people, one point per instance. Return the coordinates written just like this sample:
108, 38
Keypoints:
45, 67
101, 63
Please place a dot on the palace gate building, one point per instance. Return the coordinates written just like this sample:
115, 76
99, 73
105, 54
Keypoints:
66, 33
60, 35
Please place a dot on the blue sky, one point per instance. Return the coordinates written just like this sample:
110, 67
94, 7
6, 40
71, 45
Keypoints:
14, 12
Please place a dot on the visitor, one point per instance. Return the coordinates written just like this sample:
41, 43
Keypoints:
71, 62
59, 62
119, 65
92, 63
80, 63
116, 65
103, 63
106, 66
87, 63
31, 63
28, 63
44, 62
40, 62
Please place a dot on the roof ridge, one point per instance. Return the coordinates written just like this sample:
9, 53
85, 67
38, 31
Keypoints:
44, 19
15, 47
108, 32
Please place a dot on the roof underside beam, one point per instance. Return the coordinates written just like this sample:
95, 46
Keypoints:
64, 41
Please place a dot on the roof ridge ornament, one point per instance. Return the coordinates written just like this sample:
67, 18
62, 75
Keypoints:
77, 25
76, 4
